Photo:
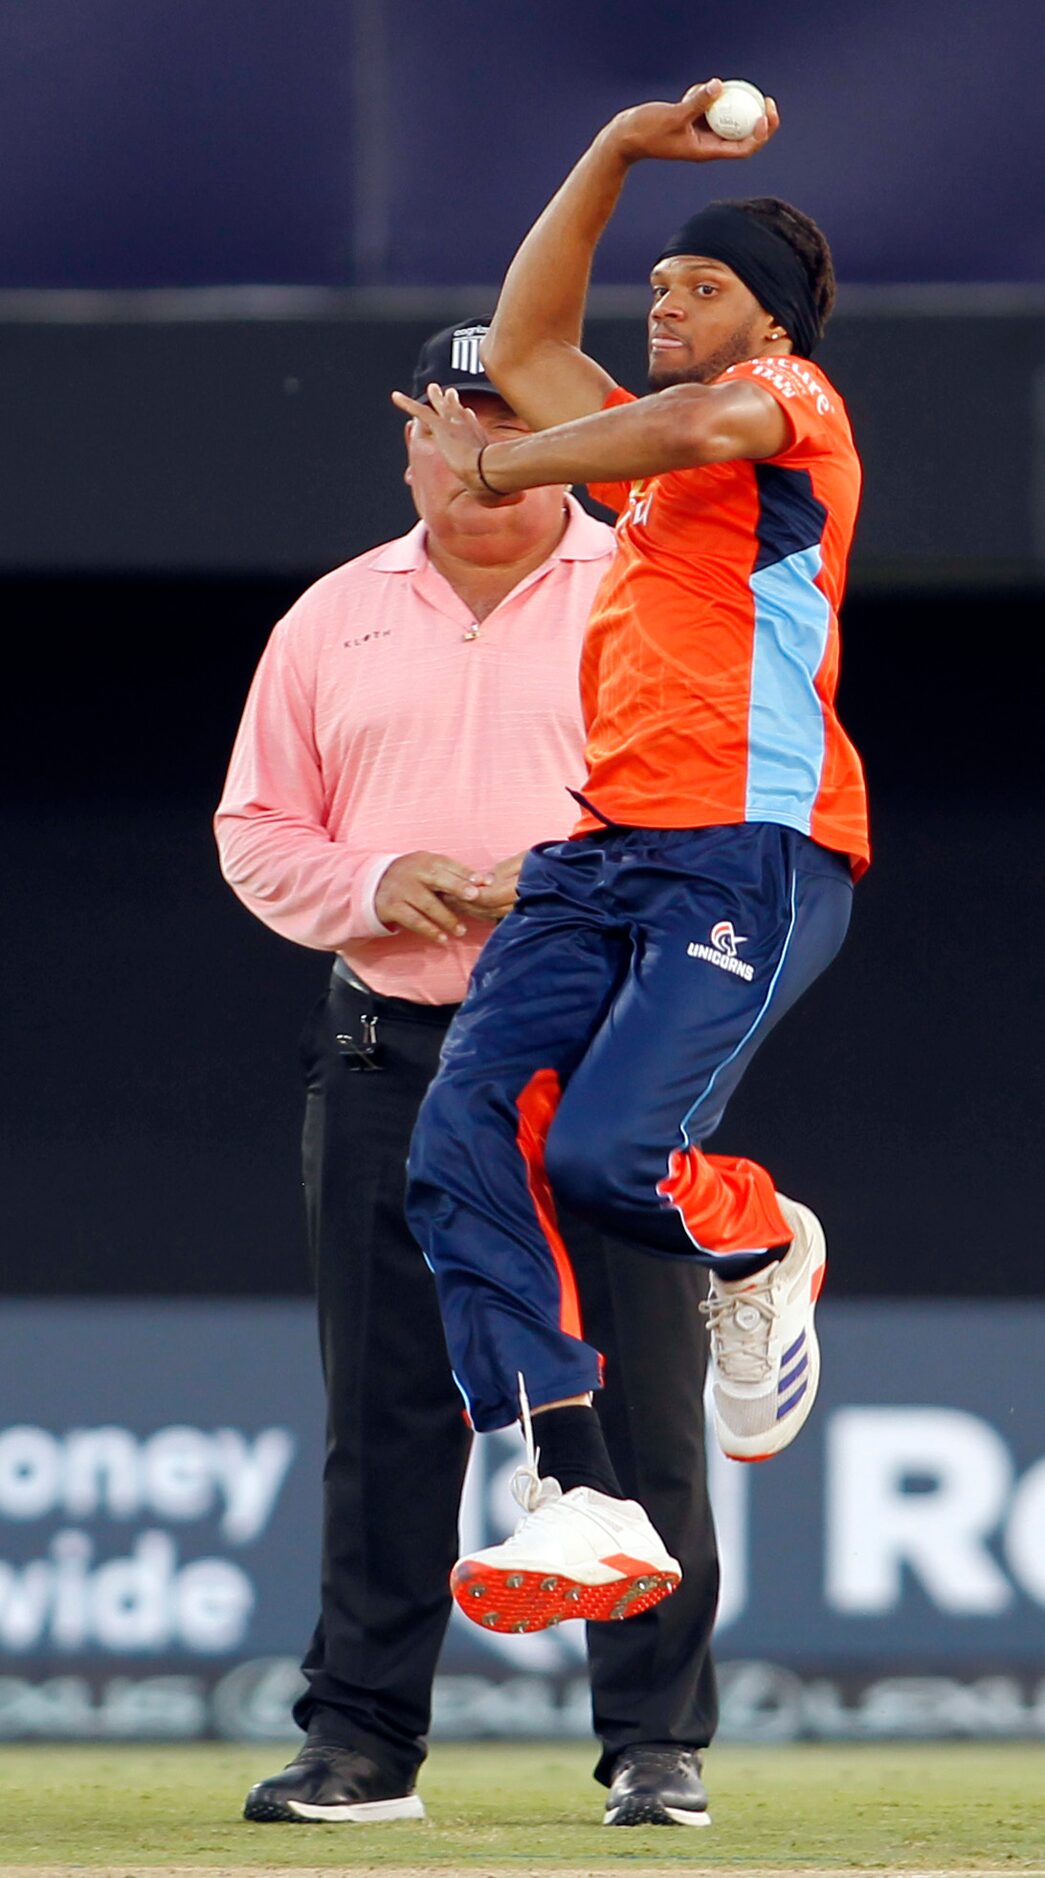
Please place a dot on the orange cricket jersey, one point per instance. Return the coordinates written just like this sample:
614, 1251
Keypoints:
711, 660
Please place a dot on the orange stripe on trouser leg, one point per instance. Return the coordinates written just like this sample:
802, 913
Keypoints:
727, 1205
537, 1104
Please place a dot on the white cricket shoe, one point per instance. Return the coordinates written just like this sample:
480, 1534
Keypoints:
576, 1554
764, 1352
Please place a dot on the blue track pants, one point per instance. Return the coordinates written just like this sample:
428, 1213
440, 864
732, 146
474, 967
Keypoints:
610, 1018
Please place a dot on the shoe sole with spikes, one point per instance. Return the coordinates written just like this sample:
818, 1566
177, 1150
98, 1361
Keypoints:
519, 1600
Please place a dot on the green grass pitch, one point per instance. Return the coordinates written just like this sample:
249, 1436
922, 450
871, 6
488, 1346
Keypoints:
534, 1809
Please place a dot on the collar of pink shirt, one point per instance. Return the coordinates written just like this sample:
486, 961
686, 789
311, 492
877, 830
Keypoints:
583, 539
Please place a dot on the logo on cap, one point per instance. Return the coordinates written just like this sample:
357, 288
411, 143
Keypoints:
464, 350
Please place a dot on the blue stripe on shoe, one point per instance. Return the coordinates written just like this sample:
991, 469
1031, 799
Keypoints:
795, 1347
785, 1407
792, 1376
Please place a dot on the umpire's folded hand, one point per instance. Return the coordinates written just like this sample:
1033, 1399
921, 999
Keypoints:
409, 894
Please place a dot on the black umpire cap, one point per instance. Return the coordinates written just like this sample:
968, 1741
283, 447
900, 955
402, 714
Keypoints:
451, 358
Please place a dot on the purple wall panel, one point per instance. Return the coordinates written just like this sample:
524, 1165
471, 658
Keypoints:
403, 141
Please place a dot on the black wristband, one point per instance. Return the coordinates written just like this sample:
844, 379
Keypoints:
479, 472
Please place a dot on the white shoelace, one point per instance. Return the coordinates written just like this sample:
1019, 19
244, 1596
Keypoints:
527, 1487
741, 1330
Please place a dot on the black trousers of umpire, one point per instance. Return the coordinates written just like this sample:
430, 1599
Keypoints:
397, 1441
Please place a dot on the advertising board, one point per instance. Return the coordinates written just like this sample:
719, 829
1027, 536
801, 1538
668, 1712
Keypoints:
159, 1511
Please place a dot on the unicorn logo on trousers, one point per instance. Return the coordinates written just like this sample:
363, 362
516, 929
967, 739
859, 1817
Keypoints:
723, 951
724, 939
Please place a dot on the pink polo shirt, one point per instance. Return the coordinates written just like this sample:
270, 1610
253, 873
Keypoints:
375, 726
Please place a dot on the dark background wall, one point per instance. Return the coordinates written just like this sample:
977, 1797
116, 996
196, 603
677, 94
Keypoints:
246, 438
150, 1141
225, 229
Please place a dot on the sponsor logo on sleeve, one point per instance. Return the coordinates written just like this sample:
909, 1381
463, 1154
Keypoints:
792, 377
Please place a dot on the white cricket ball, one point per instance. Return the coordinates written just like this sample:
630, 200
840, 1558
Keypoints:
736, 110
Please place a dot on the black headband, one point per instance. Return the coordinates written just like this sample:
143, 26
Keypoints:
764, 260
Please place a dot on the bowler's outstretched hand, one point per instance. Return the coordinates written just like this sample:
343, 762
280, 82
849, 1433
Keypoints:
456, 430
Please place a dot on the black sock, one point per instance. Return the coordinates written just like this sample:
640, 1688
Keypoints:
740, 1265
573, 1449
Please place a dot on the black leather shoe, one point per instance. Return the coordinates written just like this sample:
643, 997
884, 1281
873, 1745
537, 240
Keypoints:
657, 1786
325, 1782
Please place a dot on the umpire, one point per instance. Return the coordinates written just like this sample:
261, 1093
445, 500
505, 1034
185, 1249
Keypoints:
411, 730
